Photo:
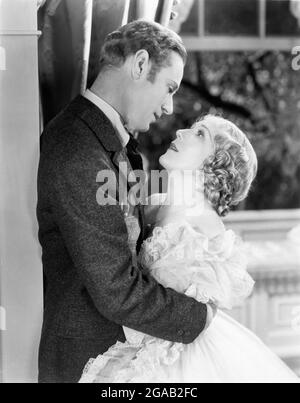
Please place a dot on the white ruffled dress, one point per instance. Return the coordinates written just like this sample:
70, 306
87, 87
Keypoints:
210, 270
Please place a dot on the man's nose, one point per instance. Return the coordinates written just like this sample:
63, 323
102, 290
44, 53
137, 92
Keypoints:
168, 107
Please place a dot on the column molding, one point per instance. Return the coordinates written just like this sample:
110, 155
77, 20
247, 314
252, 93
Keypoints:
21, 282
20, 33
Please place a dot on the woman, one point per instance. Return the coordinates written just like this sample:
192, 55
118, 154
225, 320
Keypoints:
211, 167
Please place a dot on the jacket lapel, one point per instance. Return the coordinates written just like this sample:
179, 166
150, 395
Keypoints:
98, 122
101, 126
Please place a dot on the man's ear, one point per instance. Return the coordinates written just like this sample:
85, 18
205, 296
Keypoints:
140, 65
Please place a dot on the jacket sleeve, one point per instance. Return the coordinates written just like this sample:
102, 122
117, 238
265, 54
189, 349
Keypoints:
97, 241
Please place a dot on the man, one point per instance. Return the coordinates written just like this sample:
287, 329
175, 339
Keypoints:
92, 288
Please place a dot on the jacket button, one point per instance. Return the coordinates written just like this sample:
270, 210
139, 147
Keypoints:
180, 332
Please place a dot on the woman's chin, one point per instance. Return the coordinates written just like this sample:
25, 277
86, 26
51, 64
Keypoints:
162, 161
166, 162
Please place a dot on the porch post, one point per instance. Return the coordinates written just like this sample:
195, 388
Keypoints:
20, 262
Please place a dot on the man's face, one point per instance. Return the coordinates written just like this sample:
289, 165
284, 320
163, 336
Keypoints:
150, 100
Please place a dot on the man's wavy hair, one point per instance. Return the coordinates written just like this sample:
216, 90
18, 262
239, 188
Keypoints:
157, 40
231, 170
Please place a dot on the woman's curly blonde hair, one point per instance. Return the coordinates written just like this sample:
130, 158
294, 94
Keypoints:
230, 171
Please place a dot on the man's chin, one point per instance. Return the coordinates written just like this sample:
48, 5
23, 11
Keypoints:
144, 129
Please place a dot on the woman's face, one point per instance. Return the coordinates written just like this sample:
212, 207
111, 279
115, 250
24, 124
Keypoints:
191, 148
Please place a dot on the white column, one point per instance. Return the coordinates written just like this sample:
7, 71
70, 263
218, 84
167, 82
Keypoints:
147, 9
20, 262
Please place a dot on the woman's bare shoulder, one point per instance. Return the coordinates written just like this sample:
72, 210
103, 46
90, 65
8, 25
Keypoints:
208, 223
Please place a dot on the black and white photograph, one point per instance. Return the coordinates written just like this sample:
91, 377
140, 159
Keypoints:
150, 194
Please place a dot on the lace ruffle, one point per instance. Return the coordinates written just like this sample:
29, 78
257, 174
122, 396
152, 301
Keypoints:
147, 363
173, 235
94, 371
179, 257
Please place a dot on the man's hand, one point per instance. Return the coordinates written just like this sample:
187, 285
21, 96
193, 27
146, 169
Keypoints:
212, 310
211, 313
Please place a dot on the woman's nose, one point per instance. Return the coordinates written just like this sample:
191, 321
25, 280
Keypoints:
180, 134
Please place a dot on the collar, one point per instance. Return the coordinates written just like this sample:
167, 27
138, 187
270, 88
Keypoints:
111, 114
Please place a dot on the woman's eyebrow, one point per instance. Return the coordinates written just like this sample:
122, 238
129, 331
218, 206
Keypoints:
194, 125
201, 126
205, 127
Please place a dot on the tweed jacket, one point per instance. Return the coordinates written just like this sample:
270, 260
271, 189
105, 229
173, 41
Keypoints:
91, 288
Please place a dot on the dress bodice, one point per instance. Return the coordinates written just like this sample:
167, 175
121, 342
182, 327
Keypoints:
211, 270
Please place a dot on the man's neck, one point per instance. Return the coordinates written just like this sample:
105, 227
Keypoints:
108, 90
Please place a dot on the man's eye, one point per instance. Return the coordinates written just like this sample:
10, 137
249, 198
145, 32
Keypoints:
171, 90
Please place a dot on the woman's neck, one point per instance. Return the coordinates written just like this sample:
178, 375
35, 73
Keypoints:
186, 193
193, 208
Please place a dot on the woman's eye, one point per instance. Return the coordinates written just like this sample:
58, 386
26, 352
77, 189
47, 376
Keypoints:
200, 133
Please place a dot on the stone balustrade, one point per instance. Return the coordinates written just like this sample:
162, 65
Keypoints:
273, 312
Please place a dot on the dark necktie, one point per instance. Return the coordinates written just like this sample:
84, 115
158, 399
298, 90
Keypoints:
134, 156
136, 162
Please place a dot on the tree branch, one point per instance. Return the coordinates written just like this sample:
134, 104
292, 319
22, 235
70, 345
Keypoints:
252, 73
216, 100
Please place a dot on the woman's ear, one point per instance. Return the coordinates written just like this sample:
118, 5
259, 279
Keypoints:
140, 65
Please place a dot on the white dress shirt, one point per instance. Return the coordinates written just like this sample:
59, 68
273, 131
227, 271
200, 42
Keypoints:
111, 114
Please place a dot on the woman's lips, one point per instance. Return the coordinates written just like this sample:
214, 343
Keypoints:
173, 147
